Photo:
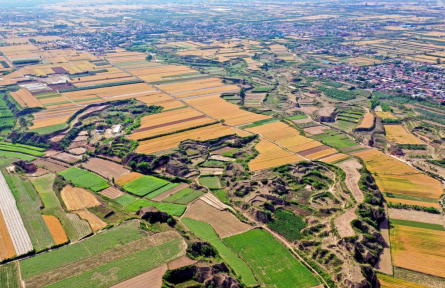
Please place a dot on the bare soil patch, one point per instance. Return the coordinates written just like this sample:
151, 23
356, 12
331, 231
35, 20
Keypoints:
222, 150
385, 262
105, 168
418, 216
151, 279
78, 198
211, 171
181, 262
224, 222
95, 222
315, 130
111, 192
67, 158
343, 223
78, 151
39, 172
170, 192
50, 165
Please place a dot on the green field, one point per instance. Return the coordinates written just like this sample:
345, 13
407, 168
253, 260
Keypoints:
19, 148
85, 179
297, 117
9, 275
144, 185
222, 195
267, 257
49, 129
344, 125
406, 197
161, 190
211, 182
125, 199
110, 239
172, 209
16, 155
184, 196
124, 268
417, 224
206, 232
28, 204
75, 228
287, 224
335, 139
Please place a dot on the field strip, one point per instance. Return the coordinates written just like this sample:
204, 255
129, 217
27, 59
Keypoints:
19, 235
130, 94
196, 90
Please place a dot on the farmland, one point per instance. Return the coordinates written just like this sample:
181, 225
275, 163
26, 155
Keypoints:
144, 185
172, 209
398, 134
78, 198
85, 179
184, 196
264, 258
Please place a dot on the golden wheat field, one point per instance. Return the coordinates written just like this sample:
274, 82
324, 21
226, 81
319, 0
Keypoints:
367, 121
399, 135
385, 115
394, 176
25, 98
270, 155
193, 85
418, 249
219, 108
387, 281
172, 141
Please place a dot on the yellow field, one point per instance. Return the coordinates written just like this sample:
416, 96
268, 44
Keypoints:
169, 122
398, 134
25, 98
211, 90
219, 108
367, 121
270, 155
391, 282
133, 90
172, 141
385, 115
393, 176
335, 158
418, 249
121, 181
191, 85
322, 154
160, 99
158, 73
413, 202
125, 56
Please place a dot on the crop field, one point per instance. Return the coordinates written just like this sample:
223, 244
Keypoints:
184, 196
56, 229
78, 198
160, 99
121, 181
9, 275
125, 199
335, 158
177, 89
206, 232
169, 122
367, 121
393, 176
74, 227
23, 149
106, 169
111, 192
387, 281
95, 222
25, 99
264, 258
223, 222
20, 207
419, 202
211, 182
418, 249
287, 224
170, 187
144, 185
85, 179
335, 139
172, 141
161, 72
399, 135
114, 93
270, 155
385, 115
219, 108
172, 209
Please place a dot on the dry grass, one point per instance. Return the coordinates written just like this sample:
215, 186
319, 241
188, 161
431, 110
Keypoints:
418, 249
398, 134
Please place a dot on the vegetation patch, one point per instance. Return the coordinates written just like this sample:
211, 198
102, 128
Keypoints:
144, 185
184, 196
85, 179
172, 209
211, 182
287, 224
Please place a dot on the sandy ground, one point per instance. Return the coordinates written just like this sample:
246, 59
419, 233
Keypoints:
352, 177
224, 222
385, 264
343, 223
417, 216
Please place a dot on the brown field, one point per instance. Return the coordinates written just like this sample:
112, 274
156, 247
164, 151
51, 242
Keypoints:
322, 154
224, 222
25, 98
172, 141
169, 122
121, 181
105, 168
418, 249
418, 216
393, 176
111, 192
172, 191
78, 198
95, 222
398, 135
367, 121
181, 262
151, 279
56, 229
270, 155
218, 108
387, 281
7, 249
50, 165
